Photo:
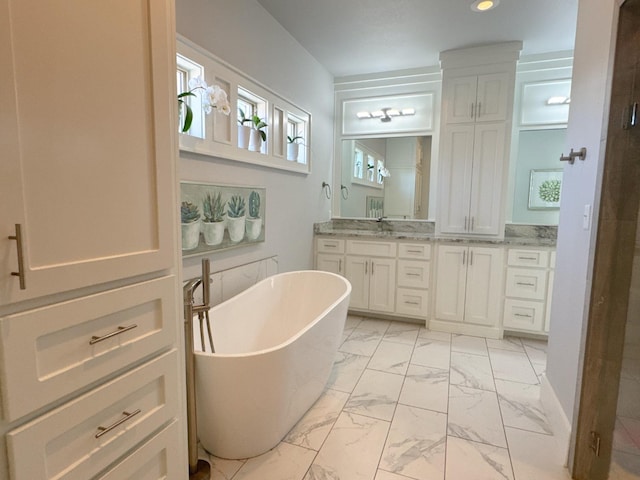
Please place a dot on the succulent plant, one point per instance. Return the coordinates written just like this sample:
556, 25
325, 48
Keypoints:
254, 204
242, 119
236, 207
189, 212
213, 208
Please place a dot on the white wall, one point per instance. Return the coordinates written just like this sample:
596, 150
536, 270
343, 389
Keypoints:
242, 33
588, 117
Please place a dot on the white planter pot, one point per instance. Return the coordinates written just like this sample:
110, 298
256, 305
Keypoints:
253, 228
292, 151
236, 228
244, 134
255, 142
190, 235
213, 232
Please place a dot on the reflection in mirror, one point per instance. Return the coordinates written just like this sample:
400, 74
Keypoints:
538, 178
386, 177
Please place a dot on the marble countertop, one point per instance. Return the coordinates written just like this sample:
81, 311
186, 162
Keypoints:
521, 235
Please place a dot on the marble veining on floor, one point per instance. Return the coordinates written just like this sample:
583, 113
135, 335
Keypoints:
406, 403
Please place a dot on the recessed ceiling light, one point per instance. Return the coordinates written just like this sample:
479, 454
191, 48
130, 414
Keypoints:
484, 5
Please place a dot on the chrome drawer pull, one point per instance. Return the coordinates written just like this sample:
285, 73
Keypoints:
128, 416
411, 303
521, 315
412, 274
328, 245
20, 273
120, 330
414, 251
527, 258
524, 284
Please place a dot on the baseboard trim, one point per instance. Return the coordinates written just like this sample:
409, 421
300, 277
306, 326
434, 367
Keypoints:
558, 420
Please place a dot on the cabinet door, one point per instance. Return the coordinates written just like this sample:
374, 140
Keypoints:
460, 99
382, 285
451, 282
484, 286
455, 177
357, 272
88, 146
492, 97
486, 184
330, 263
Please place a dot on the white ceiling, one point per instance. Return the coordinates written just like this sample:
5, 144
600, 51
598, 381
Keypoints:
351, 37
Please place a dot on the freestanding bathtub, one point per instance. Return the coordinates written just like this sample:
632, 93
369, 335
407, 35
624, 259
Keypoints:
275, 345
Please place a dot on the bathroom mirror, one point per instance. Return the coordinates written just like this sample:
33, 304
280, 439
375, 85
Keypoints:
538, 176
386, 176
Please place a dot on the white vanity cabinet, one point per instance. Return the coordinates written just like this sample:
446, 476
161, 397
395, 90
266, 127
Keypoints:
330, 255
89, 291
413, 280
371, 269
527, 290
468, 290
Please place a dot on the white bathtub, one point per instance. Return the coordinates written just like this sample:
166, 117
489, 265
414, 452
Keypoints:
275, 345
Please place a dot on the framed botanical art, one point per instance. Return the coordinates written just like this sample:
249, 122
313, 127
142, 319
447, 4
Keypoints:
545, 187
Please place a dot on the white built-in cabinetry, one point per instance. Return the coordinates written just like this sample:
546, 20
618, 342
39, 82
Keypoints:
478, 86
89, 326
403, 189
468, 289
529, 275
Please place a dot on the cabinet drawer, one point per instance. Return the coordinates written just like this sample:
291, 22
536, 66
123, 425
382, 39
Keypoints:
523, 315
414, 250
329, 245
526, 283
413, 274
156, 459
528, 258
62, 444
372, 249
53, 345
412, 302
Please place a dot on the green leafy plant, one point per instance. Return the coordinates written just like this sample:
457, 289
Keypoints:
236, 207
213, 97
293, 139
259, 125
254, 204
242, 119
189, 212
213, 208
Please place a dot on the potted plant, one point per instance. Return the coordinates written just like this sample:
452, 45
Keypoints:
258, 134
293, 147
254, 222
213, 223
189, 217
235, 218
244, 131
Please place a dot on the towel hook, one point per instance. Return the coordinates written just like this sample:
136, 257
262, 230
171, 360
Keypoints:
581, 154
343, 189
327, 189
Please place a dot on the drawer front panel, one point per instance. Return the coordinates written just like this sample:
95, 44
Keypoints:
523, 315
412, 302
372, 249
329, 245
526, 283
62, 444
157, 459
57, 350
528, 258
552, 259
421, 251
413, 274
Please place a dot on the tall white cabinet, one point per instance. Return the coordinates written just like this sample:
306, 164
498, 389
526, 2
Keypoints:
478, 89
89, 296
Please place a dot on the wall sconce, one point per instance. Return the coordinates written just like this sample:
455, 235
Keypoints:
386, 114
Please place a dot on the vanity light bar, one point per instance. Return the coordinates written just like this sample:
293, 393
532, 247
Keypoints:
559, 101
385, 114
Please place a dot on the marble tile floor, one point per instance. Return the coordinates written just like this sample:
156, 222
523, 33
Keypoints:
406, 403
